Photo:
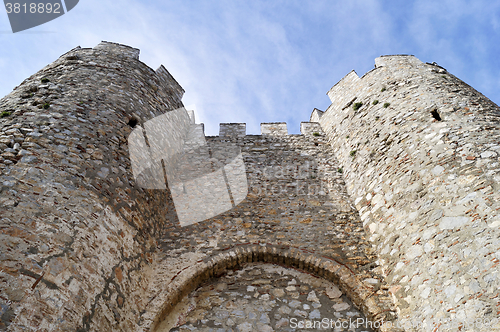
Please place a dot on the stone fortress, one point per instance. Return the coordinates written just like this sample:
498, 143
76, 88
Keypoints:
383, 209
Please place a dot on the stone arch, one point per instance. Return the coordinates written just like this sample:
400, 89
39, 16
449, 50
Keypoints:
190, 278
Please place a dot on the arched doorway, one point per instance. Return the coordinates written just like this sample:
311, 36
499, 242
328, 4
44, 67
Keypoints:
265, 297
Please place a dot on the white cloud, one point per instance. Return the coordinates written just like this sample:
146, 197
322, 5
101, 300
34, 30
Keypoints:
258, 61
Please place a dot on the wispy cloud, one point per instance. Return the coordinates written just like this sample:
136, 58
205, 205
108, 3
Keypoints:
262, 61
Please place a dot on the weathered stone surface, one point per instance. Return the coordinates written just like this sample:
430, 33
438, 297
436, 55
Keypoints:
230, 301
84, 247
429, 147
76, 235
291, 178
394, 200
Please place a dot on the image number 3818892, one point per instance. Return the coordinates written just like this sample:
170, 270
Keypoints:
26, 14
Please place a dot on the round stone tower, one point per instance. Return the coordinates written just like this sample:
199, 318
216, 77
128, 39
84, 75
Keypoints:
77, 233
420, 150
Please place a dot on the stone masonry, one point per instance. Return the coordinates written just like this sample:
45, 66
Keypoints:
420, 151
388, 200
85, 248
77, 236
265, 297
296, 214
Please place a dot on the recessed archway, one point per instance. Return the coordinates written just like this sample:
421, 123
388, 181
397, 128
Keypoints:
265, 297
327, 273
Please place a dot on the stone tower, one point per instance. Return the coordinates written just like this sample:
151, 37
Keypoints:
420, 150
390, 197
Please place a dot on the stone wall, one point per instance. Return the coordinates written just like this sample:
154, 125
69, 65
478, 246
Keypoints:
77, 234
296, 214
86, 245
420, 152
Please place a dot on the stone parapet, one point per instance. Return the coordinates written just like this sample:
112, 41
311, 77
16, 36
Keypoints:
168, 82
340, 93
316, 115
310, 128
118, 49
233, 129
274, 128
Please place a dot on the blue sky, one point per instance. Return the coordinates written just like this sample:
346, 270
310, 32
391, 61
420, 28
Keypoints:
265, 61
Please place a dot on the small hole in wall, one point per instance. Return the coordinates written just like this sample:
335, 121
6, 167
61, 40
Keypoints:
133, 122
436, 115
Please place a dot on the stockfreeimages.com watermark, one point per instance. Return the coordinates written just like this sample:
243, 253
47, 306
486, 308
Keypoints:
27, 14
328, 324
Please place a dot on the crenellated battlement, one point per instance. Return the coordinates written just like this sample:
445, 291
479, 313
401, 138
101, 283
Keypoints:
233, 129
396, 66
274, 128
310, 128
269, 128
118, 49
316, 115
